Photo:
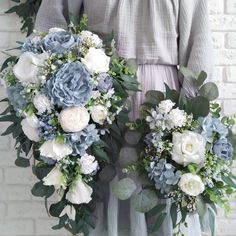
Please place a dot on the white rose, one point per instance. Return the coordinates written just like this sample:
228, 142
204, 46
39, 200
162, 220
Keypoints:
191, 184
74, 119
55, 150
89, 36
88, 164
176, 118
96, 61
99, 114
69, 210
188, 147
42, 103
79, 192
55, 178
30, 128
55, 30
27, 68
166, 106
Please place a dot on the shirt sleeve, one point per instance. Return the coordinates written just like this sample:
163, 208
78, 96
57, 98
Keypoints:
54, 13
195, 40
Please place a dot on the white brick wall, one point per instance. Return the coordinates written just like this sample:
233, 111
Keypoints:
23, 215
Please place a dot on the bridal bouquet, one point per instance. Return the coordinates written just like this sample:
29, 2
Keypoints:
66, 92
185, 155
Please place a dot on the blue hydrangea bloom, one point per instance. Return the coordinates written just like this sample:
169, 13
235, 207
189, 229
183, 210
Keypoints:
47, 130
152, 138
223, 149
208, 125
30, 46
16, 98
70, 86
81, 141
164, 175
104, 83
59, 42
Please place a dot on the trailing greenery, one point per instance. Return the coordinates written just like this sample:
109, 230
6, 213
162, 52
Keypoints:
27, 11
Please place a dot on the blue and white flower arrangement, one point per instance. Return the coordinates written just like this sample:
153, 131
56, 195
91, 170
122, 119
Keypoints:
185, 155
66, 94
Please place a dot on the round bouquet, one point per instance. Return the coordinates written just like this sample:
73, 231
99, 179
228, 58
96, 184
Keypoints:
67, 92
185, 154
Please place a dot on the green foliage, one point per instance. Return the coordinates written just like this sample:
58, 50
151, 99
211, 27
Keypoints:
124, 188
145, 201
27, 11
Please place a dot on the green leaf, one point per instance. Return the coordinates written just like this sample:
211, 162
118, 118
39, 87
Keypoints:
174, 214
22, 162
201, 78
127, 156
198, 106
8, 109
201, 207
212, 219
56, 209
145, 201
156, 210
9, 130
154, 97
160, 219
11, 10
172, 94
100, 153
187, 73
229, 181
132, 137
40, 190
124, 188
8, 118
209, 91
107, 173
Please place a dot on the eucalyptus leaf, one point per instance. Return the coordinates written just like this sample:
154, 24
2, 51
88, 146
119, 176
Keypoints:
154, 97
198, 106
40, 190
127, 156
145, 201
209, 91
107, 173
22, 162
212, 219
156, 210
132, 137
187, 73
174, 214
159, 221
201, 78
124, 188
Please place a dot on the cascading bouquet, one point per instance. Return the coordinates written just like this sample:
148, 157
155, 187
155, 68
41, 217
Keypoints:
66, 93
185, 154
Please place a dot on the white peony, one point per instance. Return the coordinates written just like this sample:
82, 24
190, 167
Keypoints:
55, 178
176, 118
89, 37
96, 61
79, 192
55, 30
69, 210
188, 147
99, 114
191, 184
74, 119
88, 164
27, 68
166, 106
55, 150
42, 103
30, 128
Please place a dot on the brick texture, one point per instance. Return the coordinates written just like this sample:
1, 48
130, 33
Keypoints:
23, 215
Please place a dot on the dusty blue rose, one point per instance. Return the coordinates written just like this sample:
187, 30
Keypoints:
104, 83
59, 42
70, 86
223, 148
15, 96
